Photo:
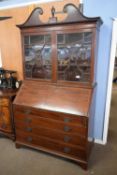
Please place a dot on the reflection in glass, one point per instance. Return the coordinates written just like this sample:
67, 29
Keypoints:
74, 56
38, 56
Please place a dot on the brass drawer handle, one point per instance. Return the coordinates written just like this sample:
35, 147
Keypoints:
29, 139
28, 120
28, 111
67, 128
29, 129
67, 139
67, 150
66, 120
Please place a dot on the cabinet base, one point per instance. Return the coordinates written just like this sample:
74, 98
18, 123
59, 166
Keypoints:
81, 163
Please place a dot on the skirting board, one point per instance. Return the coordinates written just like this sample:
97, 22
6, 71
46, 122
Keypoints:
98, 141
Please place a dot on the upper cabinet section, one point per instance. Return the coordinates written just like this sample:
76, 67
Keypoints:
61, 52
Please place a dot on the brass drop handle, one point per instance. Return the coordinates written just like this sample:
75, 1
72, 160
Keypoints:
29, 129
66, 120
67, 128
28, 120
28, 111
67, 149
67, 138
29, 139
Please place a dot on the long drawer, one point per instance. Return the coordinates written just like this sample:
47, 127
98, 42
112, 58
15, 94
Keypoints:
68, 118
41, 142
33, 120
62, 136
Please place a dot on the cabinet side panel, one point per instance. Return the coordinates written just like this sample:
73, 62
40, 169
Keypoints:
91, 116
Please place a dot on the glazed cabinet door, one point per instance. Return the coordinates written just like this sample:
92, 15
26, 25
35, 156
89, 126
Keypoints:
37, 56
74, 50
59, 56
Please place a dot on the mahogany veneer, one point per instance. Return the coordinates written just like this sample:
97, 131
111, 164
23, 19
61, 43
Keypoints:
6, 113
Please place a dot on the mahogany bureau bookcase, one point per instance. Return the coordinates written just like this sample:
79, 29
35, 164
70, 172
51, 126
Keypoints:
53, 109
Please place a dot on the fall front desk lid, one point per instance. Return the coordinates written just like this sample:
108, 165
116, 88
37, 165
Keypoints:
42, 96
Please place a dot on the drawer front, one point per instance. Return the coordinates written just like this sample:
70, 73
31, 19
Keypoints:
33, 121
4, 102
67, 118
65, 137
41, 142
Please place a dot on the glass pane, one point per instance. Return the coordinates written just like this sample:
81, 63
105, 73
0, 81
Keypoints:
36, 39
38, 57
74, 56
26, 40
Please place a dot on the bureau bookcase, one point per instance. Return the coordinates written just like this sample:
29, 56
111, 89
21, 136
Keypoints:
53, 110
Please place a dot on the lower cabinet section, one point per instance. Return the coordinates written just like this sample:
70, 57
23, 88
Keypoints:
53, 132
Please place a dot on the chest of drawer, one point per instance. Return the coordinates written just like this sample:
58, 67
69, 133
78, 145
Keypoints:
62, 136
36, 121
54, 146
63, 117
6, 113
